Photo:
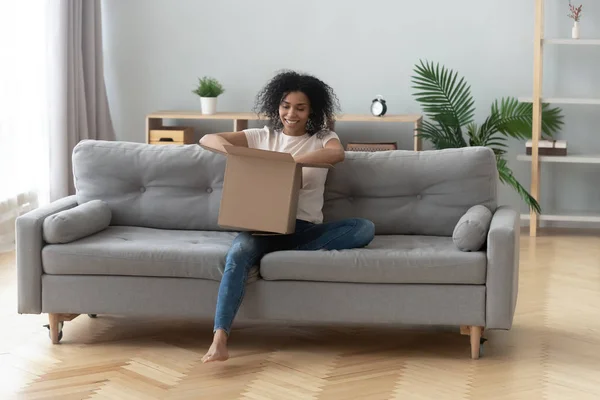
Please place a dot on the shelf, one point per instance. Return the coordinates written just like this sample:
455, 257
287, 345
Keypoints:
562, 100
567, 217
198, 115
247, 116
574, 159
573, 42
386, 118
155, 120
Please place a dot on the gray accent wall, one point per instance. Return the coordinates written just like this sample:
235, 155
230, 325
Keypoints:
156, 49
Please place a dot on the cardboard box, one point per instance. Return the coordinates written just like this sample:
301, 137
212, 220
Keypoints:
260, 191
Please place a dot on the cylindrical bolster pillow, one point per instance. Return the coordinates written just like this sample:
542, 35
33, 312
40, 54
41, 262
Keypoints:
77, 222
470, 233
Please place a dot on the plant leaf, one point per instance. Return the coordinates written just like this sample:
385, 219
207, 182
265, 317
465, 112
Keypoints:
515, 119
439, 135
506, 176
441, 96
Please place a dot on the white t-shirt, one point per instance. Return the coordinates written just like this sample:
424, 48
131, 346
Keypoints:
310, 200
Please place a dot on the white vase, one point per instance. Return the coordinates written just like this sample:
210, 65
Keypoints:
208, 105
575, 30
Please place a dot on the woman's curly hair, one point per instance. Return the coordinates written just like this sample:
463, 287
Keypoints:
323, 101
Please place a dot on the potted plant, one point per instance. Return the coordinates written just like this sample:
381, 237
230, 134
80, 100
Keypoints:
448, 103
208, 89
575, 15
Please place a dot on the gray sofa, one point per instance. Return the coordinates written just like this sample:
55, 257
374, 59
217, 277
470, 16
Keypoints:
161, 251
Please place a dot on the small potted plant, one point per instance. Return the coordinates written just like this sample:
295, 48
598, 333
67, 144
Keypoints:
208, 89
575, 15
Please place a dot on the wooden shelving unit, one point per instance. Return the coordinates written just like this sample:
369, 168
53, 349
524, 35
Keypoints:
577, 42
572, 159
569, 216
155, 120
563, 100
535, 159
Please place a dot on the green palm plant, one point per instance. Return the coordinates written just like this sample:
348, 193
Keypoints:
447, 102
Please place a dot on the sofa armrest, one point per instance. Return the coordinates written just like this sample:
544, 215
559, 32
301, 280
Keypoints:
29, 242
502, 268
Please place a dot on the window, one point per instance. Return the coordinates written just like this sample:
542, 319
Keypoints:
23, 112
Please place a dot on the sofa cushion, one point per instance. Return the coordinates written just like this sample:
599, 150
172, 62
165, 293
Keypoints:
166, 187
136, 251
408, 192
472, 228
77, 222
388, 259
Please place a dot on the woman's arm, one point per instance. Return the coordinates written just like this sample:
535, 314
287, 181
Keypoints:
332, 153
218, 140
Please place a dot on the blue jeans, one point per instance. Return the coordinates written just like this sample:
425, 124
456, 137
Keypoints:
247, 250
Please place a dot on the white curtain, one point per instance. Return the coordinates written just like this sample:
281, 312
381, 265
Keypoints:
78, 101
24, 129
52, 95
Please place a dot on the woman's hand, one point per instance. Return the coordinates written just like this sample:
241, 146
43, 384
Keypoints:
218, 140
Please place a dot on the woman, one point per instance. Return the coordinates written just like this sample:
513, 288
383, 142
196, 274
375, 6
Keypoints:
299, 108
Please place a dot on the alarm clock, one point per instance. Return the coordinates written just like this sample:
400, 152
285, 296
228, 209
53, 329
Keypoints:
378, 106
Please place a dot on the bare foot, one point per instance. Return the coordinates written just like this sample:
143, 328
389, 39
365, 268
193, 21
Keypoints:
216, 352
218, 349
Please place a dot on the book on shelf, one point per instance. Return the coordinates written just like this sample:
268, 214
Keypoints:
548, 147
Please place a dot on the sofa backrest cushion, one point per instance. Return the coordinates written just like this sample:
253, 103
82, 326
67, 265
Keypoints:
179, 187
407, 192
157, 186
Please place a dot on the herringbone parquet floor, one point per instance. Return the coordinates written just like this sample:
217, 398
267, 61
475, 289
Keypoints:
553, 352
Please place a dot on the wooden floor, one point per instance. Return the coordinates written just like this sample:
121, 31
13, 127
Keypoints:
553, 352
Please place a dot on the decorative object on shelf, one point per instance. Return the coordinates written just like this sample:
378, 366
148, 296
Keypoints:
172, 135
362, 146
208, 89
447, 101
548, 147
575, 15
378, 106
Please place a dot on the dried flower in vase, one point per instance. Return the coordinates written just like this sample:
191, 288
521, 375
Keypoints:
575, 14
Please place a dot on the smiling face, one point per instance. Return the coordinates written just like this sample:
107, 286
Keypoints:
293, 112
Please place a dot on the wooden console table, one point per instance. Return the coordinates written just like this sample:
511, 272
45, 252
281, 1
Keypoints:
155, 120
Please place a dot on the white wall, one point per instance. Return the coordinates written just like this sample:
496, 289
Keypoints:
156, 49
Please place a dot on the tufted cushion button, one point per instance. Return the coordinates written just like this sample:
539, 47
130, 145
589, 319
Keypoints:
350, 198
209, 190
142, 189
419, 197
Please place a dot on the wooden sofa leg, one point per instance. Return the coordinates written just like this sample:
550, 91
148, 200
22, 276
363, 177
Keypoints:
54, 320
475, 332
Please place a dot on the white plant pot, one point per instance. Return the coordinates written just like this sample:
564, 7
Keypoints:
575, 30
208, 105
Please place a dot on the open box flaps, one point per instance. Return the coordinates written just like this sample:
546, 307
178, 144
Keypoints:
265, 154
260, 189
